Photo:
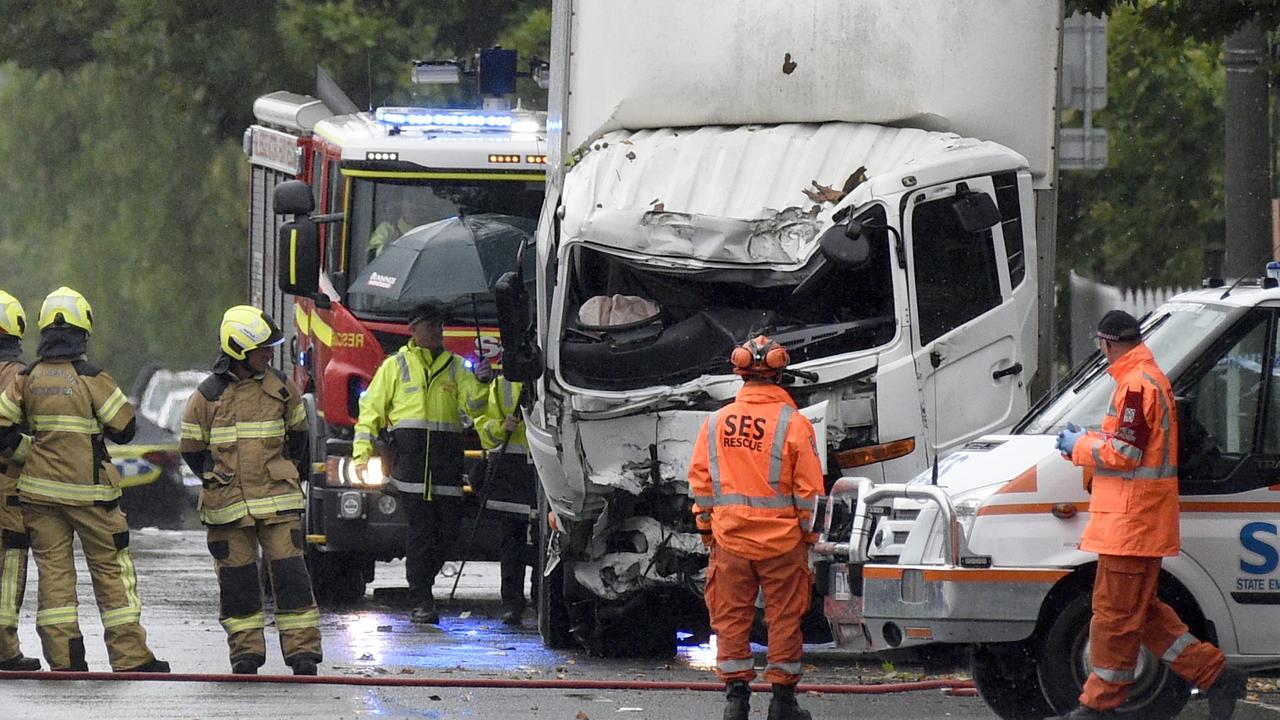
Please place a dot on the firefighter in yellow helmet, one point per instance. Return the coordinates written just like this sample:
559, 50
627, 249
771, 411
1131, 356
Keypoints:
15, 545
244, 431
68, 487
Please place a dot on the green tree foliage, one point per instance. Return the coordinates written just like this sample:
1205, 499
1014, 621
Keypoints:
121, 201
1144, 219
1205, 20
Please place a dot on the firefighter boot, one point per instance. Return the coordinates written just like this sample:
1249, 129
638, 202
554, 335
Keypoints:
783, 706
737, 699
426, 612
21, 663
303, 665
1226, 690
246, 664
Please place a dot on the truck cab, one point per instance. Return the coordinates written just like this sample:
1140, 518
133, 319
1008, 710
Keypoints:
984, 549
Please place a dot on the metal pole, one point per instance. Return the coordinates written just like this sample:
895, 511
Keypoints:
1248, 165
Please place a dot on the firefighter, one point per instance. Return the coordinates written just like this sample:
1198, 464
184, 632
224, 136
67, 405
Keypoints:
755, 477
418, 396
1133, 523
14, 543
243, 433
511, 496
68, 487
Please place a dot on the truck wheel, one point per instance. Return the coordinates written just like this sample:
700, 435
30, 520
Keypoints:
337, 578
638, 628
1063, 665
1005, 674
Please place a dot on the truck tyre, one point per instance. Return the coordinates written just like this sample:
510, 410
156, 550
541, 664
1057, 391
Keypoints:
337, 579
553, 614
1062, 664
1005, 675
637, 628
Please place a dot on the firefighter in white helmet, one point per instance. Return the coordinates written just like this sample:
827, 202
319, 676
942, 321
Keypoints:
68, 487
244, 431
15, 545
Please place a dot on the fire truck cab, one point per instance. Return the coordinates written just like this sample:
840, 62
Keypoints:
372, 177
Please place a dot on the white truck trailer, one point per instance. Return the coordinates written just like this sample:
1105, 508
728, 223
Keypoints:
986, 554
868, 181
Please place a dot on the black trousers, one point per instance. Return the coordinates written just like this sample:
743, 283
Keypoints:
433, 528
513, 558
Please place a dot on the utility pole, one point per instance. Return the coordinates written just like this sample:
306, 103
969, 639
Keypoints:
1248, 242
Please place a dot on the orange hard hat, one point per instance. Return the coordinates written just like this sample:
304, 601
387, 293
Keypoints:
759, 357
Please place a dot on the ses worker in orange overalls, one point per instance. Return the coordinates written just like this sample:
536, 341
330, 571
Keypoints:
1133, 523
754, 478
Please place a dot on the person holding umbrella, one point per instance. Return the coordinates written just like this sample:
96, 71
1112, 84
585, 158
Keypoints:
418, 396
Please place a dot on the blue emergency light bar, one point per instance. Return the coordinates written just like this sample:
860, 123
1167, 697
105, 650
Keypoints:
426, 117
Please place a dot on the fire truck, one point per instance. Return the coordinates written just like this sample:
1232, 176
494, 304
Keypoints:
369, 177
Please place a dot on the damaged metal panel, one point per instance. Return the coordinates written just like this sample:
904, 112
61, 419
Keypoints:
785, 238
641, 451
657, 557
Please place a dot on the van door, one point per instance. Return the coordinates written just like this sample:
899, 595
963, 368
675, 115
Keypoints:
967, 323
1229, 476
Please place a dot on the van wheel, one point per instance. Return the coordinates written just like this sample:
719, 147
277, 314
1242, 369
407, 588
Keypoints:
1005, 674
1062, 664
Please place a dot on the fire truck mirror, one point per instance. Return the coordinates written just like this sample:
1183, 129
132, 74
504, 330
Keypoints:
298, 257
521, 357
293, 197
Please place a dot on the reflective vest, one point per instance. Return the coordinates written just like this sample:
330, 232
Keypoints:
508, 453
243, 423
1134, 504
66, 404
755, 474
420, 398
491, 411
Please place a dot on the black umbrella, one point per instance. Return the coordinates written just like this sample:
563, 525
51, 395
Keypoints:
445, 262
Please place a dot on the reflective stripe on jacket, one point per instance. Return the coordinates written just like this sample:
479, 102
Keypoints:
755, 471
420, 398
244, 431
67, 411
1134, 504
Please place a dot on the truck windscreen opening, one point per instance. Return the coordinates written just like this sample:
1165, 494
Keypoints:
631, 324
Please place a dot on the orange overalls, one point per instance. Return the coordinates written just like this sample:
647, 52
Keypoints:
1133, 523
754, 477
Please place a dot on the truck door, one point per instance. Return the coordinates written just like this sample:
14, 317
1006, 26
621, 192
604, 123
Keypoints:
966, 318
1229, 476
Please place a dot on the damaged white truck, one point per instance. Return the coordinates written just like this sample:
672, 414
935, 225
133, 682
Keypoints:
865, 180
985, 552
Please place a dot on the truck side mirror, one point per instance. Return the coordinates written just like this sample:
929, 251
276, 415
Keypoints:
521, 356
845, 245
298, 257
975, 211
293, 197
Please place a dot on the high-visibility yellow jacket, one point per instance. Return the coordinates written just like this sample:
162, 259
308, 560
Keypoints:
507, 463
420, 398
755, 474
500, 402
68, 405
243, 423
1134, 460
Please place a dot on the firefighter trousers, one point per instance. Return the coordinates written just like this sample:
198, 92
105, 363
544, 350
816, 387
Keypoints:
15, 548
1127, 615
732, 585
235, 558
104, 537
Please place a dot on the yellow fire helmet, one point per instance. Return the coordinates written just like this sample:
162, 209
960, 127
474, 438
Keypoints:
68, 306
13, 321
246, 328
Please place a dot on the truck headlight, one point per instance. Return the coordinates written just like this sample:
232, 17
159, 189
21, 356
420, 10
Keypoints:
342, 473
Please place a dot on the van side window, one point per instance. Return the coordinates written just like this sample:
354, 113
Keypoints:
956, 276
1220, 413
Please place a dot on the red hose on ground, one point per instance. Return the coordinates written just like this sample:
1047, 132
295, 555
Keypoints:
558, 683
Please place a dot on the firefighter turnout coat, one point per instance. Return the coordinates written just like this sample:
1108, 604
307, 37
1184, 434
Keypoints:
242, 425
419, 397
14, 542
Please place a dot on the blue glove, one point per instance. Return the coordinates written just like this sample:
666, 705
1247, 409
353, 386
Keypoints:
1067, 439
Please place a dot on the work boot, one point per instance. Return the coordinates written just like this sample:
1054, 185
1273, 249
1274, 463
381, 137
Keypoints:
737, 700
426, 612
1225, 691
20, 663
304, 666
513, 616
783, 706
1084, 712
155, 666
246, 664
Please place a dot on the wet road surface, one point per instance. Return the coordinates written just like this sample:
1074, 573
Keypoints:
374, 639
